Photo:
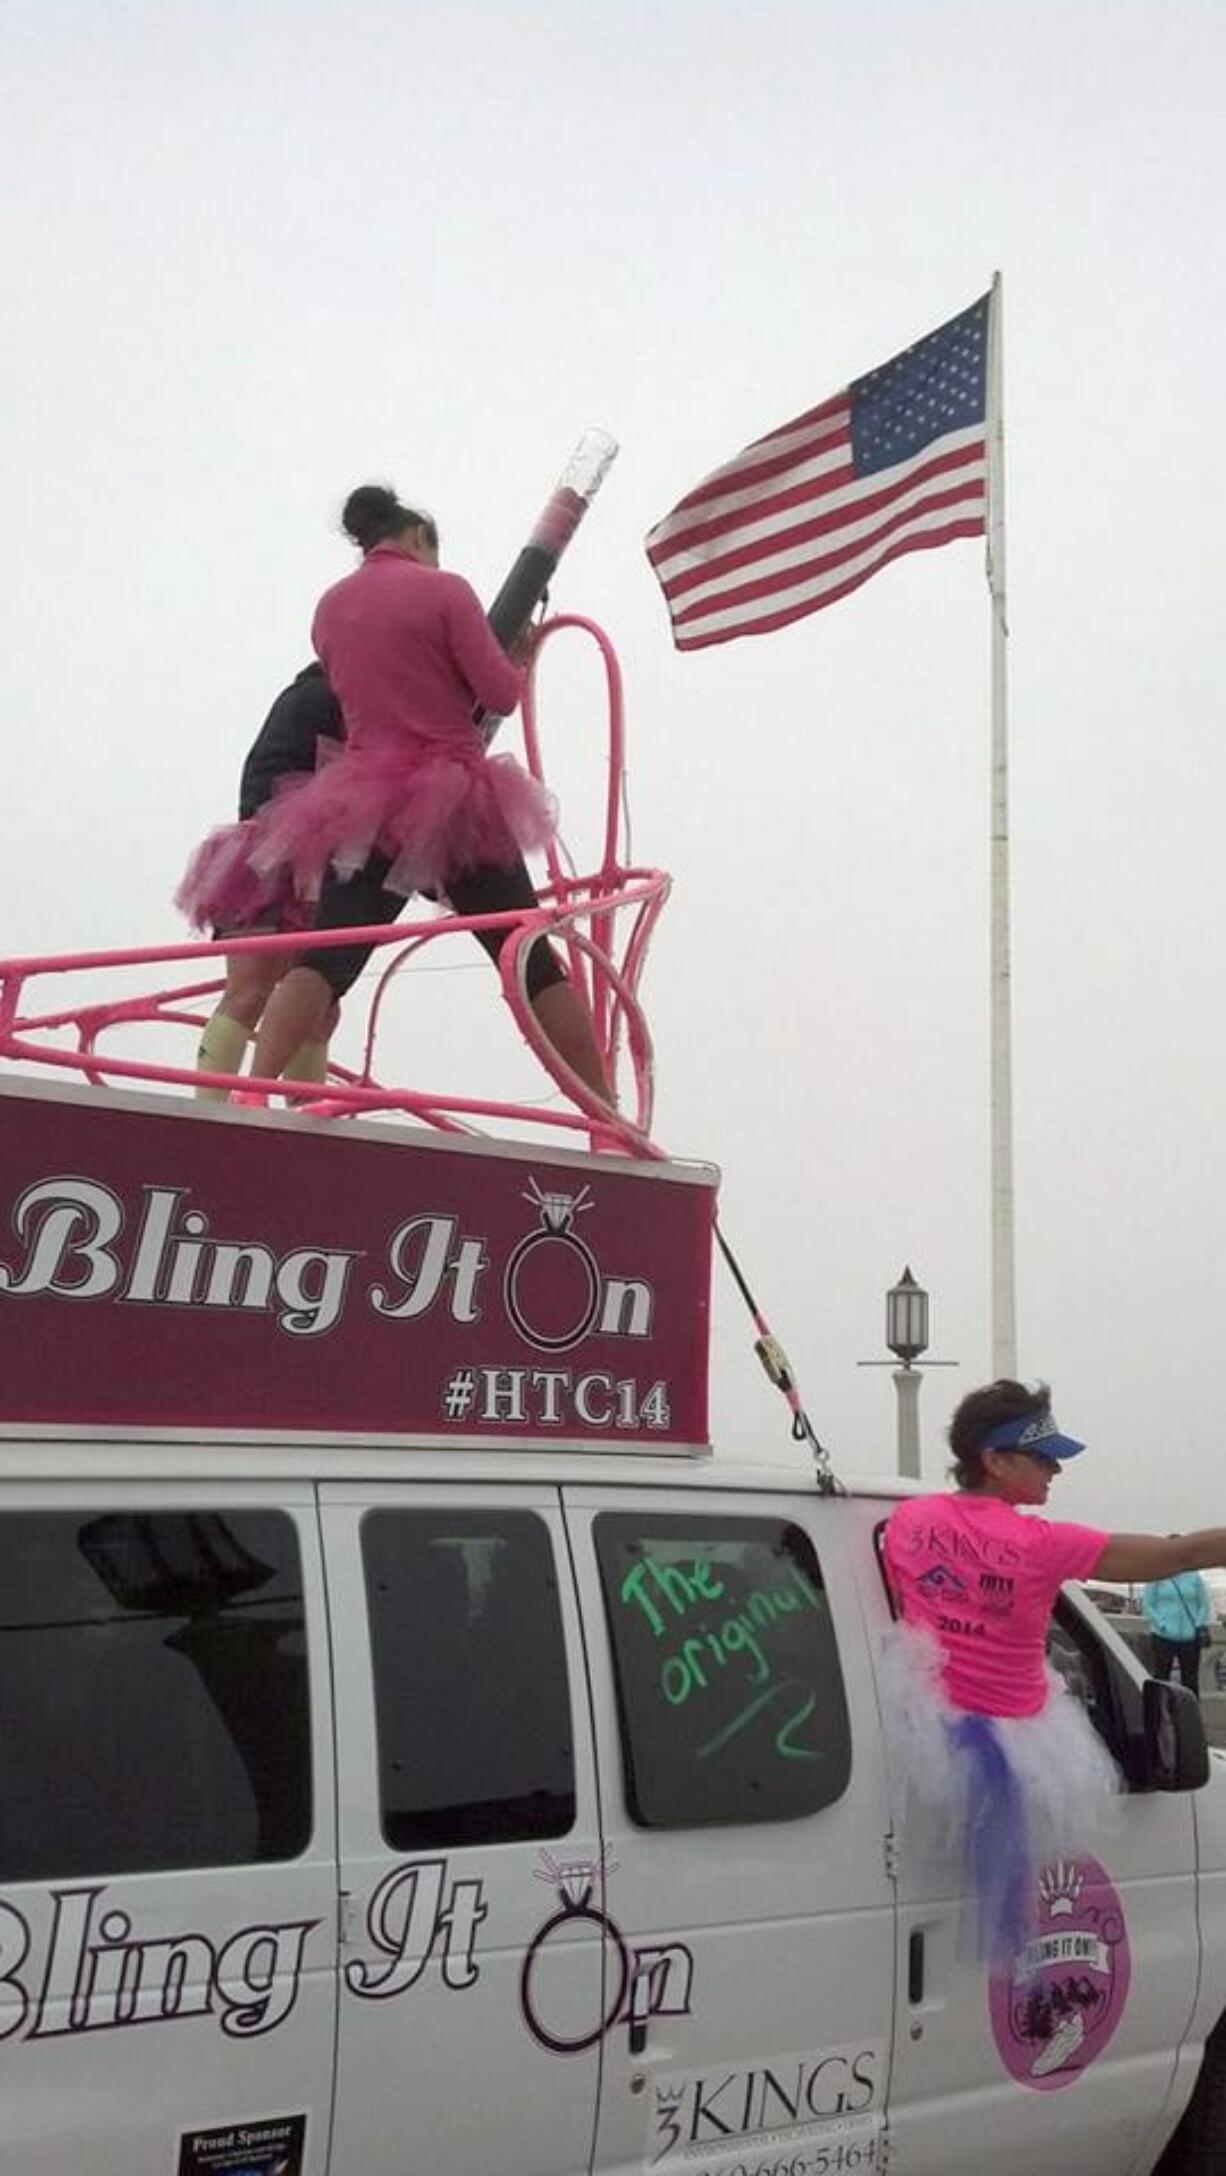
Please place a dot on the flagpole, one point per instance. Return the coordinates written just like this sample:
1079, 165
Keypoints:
1004, 1295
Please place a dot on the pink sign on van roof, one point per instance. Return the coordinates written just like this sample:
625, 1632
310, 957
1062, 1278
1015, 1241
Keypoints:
166, 1266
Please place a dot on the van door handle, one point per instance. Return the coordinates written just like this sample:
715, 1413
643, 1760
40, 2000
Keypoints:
915, 1968
640, 2010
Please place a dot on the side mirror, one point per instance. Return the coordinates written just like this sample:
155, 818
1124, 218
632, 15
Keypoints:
1176, 1749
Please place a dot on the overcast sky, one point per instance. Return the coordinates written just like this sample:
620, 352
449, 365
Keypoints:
255, 254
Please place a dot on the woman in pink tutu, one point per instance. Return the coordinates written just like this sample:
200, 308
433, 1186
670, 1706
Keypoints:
411, 801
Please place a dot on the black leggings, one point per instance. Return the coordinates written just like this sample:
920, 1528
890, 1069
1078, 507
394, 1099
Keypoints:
355, 901
1185, 1652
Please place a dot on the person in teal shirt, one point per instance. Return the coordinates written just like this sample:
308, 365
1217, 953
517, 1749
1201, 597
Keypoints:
1178, 1612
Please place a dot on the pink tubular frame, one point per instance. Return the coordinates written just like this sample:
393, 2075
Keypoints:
603, 920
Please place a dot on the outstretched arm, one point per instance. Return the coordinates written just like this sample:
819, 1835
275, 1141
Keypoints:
1158, 1556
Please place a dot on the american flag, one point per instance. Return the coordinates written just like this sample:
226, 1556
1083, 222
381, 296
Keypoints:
896, 463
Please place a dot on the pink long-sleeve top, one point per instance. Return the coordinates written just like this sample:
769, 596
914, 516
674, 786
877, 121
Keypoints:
409, 652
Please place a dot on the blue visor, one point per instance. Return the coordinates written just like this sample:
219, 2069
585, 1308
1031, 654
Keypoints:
1035, 1432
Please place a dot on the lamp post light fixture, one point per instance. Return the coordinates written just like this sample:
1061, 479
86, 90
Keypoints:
906, 1318
906, 1334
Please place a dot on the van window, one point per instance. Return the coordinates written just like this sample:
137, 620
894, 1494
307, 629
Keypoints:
472, 1703
154, 1695
728, 1682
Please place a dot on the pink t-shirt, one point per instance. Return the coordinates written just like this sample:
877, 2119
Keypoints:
408, 651
983, 1577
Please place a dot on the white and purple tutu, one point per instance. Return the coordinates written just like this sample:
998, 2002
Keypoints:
434, 810
1002, 1795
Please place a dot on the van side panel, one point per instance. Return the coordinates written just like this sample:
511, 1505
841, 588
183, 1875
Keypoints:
743, 1822
475, 1977
167, 1850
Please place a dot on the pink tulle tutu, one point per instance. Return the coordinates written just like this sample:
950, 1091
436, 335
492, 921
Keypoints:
222, 891
434, 811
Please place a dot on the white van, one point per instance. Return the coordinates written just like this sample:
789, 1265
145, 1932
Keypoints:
499, 1802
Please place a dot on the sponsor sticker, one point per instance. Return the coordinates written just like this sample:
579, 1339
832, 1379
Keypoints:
1056, 2004
271, 2146
816, 2113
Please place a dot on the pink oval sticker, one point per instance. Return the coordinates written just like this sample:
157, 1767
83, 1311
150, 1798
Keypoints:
1057, 2002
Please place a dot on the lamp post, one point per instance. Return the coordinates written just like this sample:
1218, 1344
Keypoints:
906, 1334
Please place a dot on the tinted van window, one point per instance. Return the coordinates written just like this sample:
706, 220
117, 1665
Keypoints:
154, 1702
472, 1703
729, 1688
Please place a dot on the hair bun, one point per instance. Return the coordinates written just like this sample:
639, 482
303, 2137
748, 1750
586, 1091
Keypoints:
372, 513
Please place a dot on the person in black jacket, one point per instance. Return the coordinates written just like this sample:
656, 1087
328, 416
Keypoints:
220, 893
